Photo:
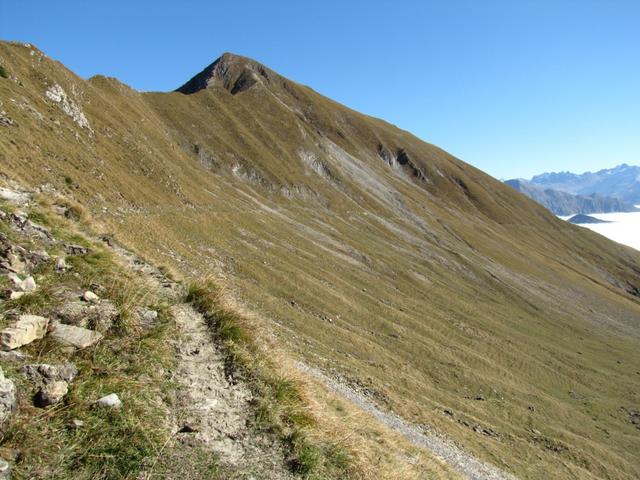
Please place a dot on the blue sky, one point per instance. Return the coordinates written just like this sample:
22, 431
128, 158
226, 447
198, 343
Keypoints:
513, 87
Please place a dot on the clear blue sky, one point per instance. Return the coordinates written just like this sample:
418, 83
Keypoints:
513, 87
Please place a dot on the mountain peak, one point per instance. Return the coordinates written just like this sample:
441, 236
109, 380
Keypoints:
234, 72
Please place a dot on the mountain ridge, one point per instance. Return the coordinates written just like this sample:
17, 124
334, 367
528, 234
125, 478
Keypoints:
563, 203
621, 181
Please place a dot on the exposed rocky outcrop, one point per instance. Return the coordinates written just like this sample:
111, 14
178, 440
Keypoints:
27, 329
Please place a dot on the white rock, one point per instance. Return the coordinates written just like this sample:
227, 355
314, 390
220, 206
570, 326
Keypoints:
61, 264
28, 285
8, 398
13, 196
89, 296
17, 281
27, 329
68, 106
112, 400
75, 336
15, 295
5, 470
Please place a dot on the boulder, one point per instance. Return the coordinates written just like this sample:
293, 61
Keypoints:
27, 329
28, 285
8, 398
99, 316
75, 336
42, 373
15, 295
112, 401
51, 393
90, 297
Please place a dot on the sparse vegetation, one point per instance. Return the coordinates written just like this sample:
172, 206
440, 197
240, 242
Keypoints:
3, 72
128, 361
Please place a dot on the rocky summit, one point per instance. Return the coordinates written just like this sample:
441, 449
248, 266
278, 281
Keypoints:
332, 297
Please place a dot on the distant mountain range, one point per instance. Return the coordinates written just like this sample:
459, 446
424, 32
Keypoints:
564, 193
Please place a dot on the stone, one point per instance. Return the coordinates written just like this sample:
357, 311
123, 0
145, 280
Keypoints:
15, 295
61, 264
75, 423
5, 470
20, 198
43, 373
103, 315
75, 336
8, 398
76, 250
17, 281
90, 297
13, 356
112, 401
28, 285
74, 313
147, 317
27, 329
188, 428
51, 393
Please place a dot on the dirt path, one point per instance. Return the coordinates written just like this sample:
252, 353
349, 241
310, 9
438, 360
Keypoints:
212, 412
217, 407
463, 462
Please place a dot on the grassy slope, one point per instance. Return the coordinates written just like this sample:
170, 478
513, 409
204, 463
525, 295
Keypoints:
438, 292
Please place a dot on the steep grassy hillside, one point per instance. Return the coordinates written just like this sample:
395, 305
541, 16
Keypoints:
452, 299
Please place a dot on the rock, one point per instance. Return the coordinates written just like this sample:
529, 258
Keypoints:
576, 395
112, 401
480, 398
15, 295
15, 264
75, 423
13, 356
20, 198
75, 336
90, 297
103, 315
37, 258
147, 317
51, 393
99, 316
74, 313
98, 289
43, 373
8, 398
17, 281
76, 250
5, 470
28, 285
188, 428
61, 264
27, 329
